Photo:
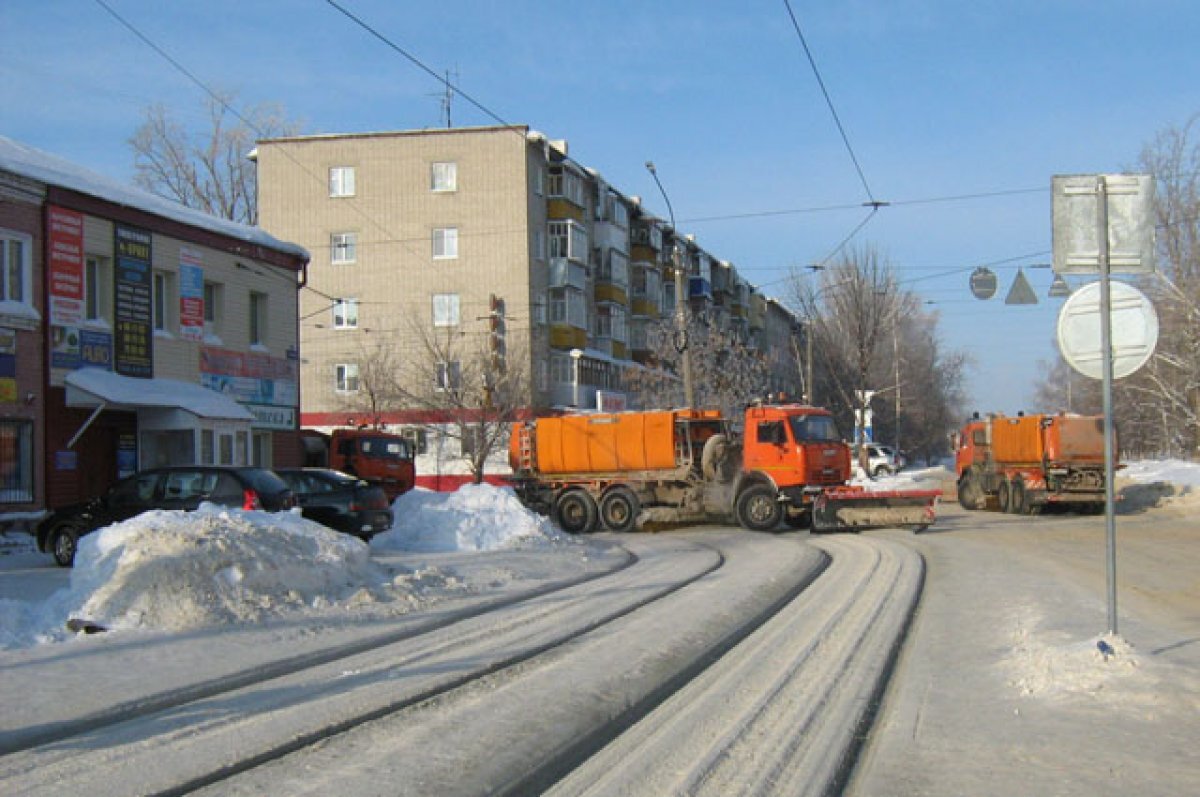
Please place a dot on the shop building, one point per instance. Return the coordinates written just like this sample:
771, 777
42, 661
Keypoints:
152, 334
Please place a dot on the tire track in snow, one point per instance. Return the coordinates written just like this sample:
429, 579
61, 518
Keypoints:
178, 743
784, 712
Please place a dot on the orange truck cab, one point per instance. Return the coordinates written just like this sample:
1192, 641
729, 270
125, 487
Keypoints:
375, 456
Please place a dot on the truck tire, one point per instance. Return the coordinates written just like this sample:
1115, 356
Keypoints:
1004, 496
970, 495
619, 509
757, 508
575, 512
1021, 501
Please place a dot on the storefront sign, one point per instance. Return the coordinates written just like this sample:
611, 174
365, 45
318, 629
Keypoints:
133, 342
126, 455
66, 265
250, 377
72, 347
191, 294
266, 417
8, 378
66, 460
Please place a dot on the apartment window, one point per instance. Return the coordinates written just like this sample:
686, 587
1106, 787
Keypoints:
343, 247
16, 266
445, 310
443, 176
341, 181
568, 239
95, 289
16, 462
258, 318
161, 298
445, 243
567, 307
214, 297
539, 245
346, 377
449, 375
345, 313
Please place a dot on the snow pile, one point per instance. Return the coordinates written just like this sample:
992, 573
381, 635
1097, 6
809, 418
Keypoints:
1166, 482
1057, 666
476, 517
907, 479
175, 570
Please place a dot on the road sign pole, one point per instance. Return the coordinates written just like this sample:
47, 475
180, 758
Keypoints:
1110, 519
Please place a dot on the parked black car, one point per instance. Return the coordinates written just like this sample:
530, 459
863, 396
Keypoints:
340, 501
183, 487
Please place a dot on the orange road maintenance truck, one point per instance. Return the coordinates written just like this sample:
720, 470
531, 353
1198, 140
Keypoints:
1021, 464
622, 470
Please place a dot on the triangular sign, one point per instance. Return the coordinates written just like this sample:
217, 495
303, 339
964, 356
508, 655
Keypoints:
1021, 291
1059, 287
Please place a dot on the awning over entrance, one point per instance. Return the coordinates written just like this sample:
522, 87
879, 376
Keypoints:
93, 387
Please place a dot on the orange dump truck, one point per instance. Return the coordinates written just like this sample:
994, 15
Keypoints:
1021, 464
678, 466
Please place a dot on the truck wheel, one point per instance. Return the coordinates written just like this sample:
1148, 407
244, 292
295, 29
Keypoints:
757, 508
64, 539
1004, 496
576, 512
619, 509
1022, 503
970, 496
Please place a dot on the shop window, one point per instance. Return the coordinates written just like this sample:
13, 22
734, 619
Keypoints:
16, 462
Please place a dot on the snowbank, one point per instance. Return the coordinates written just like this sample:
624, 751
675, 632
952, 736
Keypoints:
1172, 483
476, 517
173, 571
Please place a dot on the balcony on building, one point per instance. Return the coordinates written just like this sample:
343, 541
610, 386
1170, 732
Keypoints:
565, 194
612, 277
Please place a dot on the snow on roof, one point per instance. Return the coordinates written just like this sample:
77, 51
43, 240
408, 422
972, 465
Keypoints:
53, 170
97, 386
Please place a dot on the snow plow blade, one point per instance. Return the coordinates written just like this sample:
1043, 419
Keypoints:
855, 509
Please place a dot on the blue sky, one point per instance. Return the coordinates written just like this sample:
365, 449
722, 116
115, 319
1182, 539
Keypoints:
939, 99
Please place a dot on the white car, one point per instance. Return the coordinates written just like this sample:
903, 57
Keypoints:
883, 460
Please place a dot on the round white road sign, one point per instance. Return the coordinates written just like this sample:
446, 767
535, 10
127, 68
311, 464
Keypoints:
1134, 330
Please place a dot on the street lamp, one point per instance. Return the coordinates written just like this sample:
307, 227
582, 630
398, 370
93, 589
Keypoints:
681, 331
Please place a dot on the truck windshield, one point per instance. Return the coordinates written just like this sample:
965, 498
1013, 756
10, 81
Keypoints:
385, 448
814, 429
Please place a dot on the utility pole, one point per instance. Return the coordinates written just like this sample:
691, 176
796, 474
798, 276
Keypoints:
681, 317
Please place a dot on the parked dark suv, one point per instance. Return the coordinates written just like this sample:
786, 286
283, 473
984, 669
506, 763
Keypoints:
340, 501
183, 487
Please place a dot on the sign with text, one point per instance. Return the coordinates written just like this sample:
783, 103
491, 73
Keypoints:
133, 339
65, 239
191, 294
250, 377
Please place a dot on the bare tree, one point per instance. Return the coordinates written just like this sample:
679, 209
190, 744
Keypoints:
728, 371
209, 169
467, 385
869, 335
849, 311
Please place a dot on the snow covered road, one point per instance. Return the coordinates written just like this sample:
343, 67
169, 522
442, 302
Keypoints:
513, 697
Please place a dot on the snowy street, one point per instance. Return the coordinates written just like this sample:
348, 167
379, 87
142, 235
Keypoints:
477, 650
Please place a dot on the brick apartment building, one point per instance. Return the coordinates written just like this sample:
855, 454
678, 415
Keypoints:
442, 225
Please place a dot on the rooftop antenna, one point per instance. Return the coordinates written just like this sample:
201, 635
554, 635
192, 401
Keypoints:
448, 95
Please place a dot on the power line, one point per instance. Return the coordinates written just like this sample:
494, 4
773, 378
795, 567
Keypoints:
832, 110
